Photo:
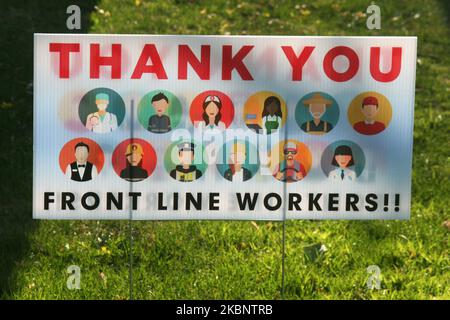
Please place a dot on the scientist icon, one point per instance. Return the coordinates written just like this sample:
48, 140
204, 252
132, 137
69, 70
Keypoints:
344, 162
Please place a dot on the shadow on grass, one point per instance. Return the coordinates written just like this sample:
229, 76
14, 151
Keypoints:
20, 19
446, 8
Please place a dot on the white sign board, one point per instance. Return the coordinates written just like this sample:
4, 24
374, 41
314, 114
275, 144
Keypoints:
160, 127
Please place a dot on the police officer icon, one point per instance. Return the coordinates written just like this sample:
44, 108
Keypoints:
81, 169
186, 171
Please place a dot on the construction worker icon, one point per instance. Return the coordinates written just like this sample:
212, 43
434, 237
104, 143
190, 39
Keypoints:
186, 171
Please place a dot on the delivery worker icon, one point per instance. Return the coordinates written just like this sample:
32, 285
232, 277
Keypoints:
369, 113
186, 171
289, 169
369, 109
101, 121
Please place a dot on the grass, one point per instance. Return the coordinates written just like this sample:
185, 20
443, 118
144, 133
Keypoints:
227, 260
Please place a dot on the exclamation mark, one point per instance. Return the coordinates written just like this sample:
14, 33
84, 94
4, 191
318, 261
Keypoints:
386, 202
397, 202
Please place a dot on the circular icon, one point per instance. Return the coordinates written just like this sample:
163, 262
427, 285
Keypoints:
212, 111
343, 160
134, 160
101, 110
159, 111
81, 159
317, 113
237, 161
290, 161
185, 161
265, 112
370, 113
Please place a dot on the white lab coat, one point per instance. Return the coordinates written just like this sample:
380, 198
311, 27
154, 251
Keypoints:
216, 129
108, 124
336, 174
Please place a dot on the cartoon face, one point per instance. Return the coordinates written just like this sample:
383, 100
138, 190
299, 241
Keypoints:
290, 155
211, 109
101, 104
272, 108
134, 158
186, 157
81, 154
237, 157
317, 110
369, 111
160, 106
343, 160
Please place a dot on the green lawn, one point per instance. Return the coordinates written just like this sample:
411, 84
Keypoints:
227, 260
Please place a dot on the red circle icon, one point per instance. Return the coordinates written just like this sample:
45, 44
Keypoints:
134, 159
81, 159
197, 112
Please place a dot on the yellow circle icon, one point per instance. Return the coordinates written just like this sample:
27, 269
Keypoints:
265, 112
370, 113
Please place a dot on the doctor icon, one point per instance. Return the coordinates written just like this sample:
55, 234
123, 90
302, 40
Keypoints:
101, 121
